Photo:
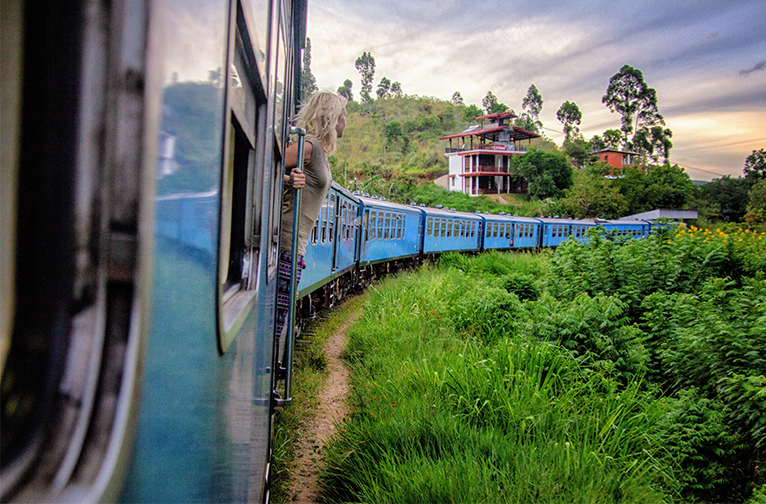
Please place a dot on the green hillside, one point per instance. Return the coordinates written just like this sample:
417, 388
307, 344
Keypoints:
391, 147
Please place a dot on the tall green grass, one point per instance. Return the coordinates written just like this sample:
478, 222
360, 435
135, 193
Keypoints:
457, 400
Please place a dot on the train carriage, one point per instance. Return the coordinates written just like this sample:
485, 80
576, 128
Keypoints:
497, 232
331, 251
626, 228
448, 230
526, 232
557, 231
389, 231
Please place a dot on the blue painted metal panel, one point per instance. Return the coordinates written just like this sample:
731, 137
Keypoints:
389, 230
498, 232
446, 230
526, 232
332, 246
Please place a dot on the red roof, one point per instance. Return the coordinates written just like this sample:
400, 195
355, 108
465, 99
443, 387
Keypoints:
474, 132
516, 132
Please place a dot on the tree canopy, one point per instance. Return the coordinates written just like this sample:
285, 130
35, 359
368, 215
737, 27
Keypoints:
755, 165
308, 81
532, 104
365, 64
630, 96
345, 90
548, 173
569, 114
491, 105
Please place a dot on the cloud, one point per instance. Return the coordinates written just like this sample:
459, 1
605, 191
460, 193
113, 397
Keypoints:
761, 65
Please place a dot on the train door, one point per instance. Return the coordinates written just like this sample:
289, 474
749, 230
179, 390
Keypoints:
333, 221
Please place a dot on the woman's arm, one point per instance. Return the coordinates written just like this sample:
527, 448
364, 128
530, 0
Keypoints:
296, 179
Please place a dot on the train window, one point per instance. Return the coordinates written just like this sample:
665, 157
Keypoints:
323, 222
350, 213
400, 230
368, 220
429, 226
314, 231
380, 225
243, 183
371, 226
444, 228
449, 228
331, 218
386, 226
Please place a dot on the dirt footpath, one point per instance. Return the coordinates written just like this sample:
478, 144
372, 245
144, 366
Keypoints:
332, 407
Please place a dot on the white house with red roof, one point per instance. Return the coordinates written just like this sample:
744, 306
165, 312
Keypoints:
479, 157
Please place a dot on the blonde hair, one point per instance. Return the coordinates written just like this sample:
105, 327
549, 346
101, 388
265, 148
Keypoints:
320, 116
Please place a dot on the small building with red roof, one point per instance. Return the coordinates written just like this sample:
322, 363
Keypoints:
479, 157
617, 158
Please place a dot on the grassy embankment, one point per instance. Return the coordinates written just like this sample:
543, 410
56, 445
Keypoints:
600, 373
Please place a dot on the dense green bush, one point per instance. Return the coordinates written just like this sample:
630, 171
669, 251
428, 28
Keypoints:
521, 284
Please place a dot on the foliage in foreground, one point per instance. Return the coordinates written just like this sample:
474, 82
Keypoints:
628, 373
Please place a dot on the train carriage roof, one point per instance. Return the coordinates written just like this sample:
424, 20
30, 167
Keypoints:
373, 202
549, 220
345, 192
446, 212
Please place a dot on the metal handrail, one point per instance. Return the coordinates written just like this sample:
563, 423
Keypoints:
289, 343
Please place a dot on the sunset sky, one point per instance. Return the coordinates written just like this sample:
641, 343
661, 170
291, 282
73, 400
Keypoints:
706, 60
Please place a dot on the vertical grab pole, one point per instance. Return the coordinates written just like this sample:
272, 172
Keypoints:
293, 272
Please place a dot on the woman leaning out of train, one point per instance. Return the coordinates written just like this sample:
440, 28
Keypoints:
324, 119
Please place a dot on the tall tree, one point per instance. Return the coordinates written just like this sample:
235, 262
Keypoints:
365, 64
755, 166
533, 104
396, 88
345, 90
569, 114
630, 96
457, 99
308, 81
491, 105
384, 86
471, 112
527, 122
612, 138
654, 142
756, 206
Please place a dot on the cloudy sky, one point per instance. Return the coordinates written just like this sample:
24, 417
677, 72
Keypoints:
705, 58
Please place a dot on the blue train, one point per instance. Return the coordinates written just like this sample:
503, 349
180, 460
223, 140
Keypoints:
358, 237
142, 163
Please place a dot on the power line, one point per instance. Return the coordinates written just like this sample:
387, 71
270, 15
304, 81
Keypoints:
703, 170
